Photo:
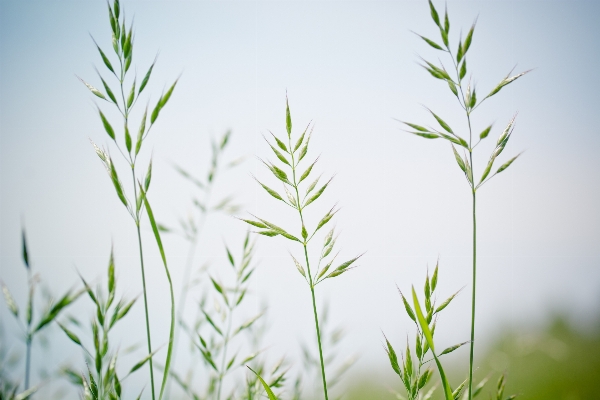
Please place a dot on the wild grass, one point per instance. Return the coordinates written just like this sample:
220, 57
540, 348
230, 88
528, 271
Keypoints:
223, 330
128, 94
290, 155
191, 229
216, 334
30, 325
102, 380
466, 96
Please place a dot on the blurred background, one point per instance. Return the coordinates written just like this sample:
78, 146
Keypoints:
352, 68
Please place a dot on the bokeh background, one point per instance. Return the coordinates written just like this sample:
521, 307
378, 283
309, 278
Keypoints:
351, 67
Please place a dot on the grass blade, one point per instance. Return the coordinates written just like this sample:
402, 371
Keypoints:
427, 333
164, 260
265, 385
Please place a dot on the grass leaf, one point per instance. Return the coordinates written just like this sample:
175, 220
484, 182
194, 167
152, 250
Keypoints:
452, 348
445, 303
459, 160
107, 127
393, 357
146, 77
507, 164
164, 260
317, 194
270, 191
93, 89
485, 132
70, 334
434, 14
469, 38
442, 123
427, 333
430, 42
265, 385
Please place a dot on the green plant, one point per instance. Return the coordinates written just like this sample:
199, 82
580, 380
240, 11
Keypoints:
191, 228
275, 378
101, 382
29, 326
468, 101
215, 344
290, 158
412, 373
123, 43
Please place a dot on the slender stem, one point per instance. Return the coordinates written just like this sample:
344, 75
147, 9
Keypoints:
29, 334
314, 303
185, 284
473, 298
225, 343
28, 361
473, 190
312, 287
137, 222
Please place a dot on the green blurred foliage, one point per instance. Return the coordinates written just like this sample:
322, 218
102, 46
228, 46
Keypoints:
559, 362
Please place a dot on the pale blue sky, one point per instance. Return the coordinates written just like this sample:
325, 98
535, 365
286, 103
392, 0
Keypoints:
351, 67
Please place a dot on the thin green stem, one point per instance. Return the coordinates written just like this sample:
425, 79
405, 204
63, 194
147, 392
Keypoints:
474, 280
473, 190
312, 288
27, 361
191, 254
29, 334
225, 344
314, 303
473, 298
139, 235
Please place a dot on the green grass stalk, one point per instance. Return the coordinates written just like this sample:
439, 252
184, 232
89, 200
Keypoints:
123, 43
28, 338
468, 102
296, 153
192, 231
27, 361
146, 313
473, 298
310, 277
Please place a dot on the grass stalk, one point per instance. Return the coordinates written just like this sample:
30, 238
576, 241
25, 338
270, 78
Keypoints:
29, 335
225, 346
123, 43
310, 279
468, 101
27, 361
314, 304
295, 155
192, 230
146, 313
473, 297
